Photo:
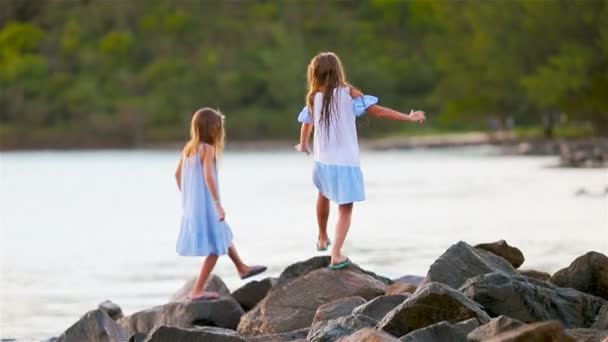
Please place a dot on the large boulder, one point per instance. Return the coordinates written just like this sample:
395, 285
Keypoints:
214, 284
540, 331
538, 275
338, 308
587, 335
97, 326
164, 333
224, 313
432, 303
369, 335
501, 248
461, 262
601, 321
289, 336
496, 326
253, 292
587, 273
400, 288
329, 331
112, 309
531, 300
378, 307
442, 332
293, 304
409, 279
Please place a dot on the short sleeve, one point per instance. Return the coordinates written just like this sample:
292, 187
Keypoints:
305, 116
363, 102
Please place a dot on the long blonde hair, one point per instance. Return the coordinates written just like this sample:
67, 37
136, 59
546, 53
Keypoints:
325, 73
207, 127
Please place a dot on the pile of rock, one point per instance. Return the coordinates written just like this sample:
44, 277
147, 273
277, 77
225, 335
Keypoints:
592, 153
469, 294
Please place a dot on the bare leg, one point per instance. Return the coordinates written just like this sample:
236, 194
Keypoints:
342, 227
241, 267
199, 286
322, 217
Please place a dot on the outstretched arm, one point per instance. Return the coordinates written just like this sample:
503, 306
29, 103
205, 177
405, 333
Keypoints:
388, 113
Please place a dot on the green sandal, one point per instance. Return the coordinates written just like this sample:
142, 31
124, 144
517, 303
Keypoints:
321, 249
340, 265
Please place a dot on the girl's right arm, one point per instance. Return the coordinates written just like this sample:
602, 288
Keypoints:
178, 174
208, 159
304, 137
388, 113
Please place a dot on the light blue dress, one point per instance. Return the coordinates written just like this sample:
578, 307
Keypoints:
201, 233
337, 174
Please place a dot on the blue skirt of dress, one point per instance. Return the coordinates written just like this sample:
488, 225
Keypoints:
341, 184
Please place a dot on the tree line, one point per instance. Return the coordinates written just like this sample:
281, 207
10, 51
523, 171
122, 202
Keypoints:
127, 73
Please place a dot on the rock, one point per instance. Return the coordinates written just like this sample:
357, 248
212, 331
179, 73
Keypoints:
501, 248
442, 332
97, 326
282, 337
410, 279
253, 292
461, 262
601, 321
369, 335
214, 284
531, 300
541, 331
587, 273
164, 333
303, 267
496, 326
378, 307
338, 308
292, 305
432, 303
587, 335
539, 275
224, 313
112, 309
399, 288
329, 331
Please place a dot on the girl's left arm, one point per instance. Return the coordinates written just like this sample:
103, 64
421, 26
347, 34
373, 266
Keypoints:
388, 113
178, 174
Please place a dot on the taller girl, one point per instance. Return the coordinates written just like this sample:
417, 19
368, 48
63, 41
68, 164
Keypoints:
332, 106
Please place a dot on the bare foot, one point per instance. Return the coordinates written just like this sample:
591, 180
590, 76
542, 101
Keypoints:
322, 242
335, 260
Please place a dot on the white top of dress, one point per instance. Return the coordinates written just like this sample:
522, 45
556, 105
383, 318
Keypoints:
339, 144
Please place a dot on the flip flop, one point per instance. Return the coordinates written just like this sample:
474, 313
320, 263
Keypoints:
339, 265
255, 270
209, 296
320, 249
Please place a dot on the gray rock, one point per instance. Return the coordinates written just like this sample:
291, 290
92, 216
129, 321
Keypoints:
214, 284
282, 337
224, 313
293, 305
337, 308
496, 326
587, 273
432, 303
329, 331
442, 332
97, 326
540, 331
587, 335
378, 307
461, 262
601, 321
501, 248
410, 279
400, 288
253, 292
112, 309
531, 300
538, 275
368, 335
164, 333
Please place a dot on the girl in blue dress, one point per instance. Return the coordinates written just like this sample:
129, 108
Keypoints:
332, 106
204, 231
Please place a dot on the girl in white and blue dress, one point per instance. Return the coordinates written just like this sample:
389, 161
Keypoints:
204, 231
332, 106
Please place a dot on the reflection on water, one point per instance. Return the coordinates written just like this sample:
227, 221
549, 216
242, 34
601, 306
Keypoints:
80, 227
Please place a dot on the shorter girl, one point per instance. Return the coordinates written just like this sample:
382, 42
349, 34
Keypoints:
204, 231
332, 107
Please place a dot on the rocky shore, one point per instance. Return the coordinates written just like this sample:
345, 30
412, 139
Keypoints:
470, 293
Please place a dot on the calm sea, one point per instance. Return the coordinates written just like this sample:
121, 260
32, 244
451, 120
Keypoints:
81, 227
